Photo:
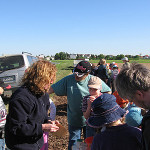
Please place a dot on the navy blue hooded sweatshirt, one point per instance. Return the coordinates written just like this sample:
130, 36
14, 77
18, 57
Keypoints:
27, 113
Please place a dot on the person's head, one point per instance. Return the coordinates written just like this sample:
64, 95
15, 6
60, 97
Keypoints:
111, 65
134, 116
95, 86
133, 83
125, 59
102, 62
115, 67
105, 111
39, 76
81, 71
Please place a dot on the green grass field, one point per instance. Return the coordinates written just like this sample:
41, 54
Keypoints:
64, 67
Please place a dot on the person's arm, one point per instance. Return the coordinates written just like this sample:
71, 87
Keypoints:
52, 110
88, 110
60, 87
106, 74
1, 90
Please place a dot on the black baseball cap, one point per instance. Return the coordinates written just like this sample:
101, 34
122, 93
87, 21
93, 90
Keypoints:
83, 67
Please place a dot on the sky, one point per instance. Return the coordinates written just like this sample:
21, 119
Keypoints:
109, 27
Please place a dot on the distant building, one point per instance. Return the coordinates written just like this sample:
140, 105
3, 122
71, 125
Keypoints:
52, 58
73, 56
87, 56
81, 55
48, 58
41, 56
146, 57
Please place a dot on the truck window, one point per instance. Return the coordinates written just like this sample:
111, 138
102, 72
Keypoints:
11, 62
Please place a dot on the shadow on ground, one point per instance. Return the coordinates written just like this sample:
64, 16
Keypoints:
61, 110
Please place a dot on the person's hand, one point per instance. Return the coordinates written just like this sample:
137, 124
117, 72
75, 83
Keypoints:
50, 127
1, 90
53, 122
91, 98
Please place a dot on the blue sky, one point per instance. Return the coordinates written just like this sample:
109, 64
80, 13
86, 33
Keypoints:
75, 26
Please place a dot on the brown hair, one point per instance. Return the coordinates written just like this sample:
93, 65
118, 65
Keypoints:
38, 75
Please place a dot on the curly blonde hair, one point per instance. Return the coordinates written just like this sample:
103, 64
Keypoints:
38, 76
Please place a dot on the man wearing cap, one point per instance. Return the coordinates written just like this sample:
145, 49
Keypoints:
3, 114
75, 87
126, 62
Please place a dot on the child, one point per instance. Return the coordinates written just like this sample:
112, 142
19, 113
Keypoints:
95, 86
117, 135
52, 118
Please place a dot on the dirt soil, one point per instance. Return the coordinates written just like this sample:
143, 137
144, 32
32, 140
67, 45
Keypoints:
56, 143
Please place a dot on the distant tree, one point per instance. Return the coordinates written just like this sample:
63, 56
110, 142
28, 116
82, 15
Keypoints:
101, 56
129, 56
107, 57
119, 57
93, 57
79, 57
114, 58
61, 56
57, 57
136, 56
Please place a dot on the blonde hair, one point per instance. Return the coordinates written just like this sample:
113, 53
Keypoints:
102, 62
38, 75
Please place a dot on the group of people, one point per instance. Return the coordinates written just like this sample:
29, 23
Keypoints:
108, 72
92, 108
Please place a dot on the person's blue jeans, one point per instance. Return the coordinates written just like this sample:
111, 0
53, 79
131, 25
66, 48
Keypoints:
2, 144
74, 134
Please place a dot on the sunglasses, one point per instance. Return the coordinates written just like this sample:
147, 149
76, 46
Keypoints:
79, 74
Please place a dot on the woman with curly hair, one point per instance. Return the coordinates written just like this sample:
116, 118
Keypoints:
27, 118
